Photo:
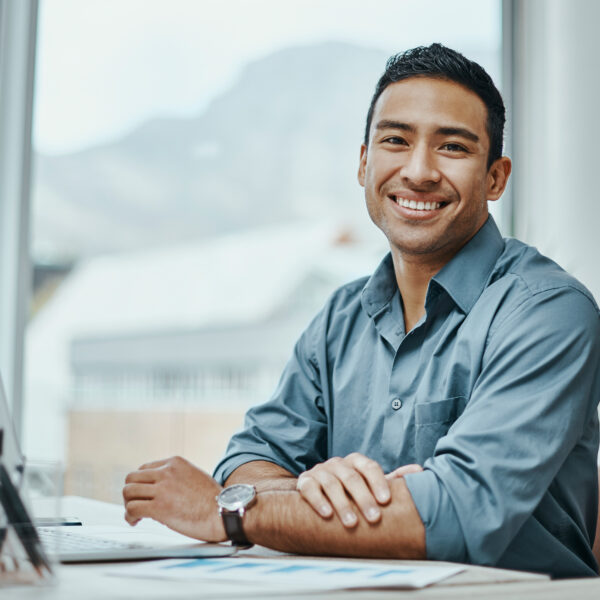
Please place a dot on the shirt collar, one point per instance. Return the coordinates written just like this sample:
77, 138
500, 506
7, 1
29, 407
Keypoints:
463, 278
380, 288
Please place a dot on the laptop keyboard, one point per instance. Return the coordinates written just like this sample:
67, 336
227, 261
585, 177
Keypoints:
55, 538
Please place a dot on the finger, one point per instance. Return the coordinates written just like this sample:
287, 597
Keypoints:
333, 489
359, 491
136, 510
138, 491
131, 520
374, 476
310, 490
155, 464
146, 476
404, 470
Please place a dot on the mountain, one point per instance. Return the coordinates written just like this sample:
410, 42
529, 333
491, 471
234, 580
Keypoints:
281, 144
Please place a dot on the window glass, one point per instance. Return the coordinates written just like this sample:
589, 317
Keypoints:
194, 203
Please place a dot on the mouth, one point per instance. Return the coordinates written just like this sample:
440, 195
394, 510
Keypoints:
418, 205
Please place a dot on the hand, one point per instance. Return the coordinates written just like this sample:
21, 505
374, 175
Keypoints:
177, 494
328, 487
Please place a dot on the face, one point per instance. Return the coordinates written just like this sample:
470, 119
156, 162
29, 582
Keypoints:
425, 170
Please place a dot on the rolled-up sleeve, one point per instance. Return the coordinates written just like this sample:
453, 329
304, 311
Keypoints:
534, 398
290, 429
444, 536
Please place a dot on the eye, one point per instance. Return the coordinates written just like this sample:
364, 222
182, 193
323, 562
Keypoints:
454, 147
395, 140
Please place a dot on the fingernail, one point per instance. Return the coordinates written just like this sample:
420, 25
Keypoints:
325, 510
383, 495
373, 514
349, 518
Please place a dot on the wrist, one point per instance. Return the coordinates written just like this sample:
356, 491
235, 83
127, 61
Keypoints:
220, 533
233, 503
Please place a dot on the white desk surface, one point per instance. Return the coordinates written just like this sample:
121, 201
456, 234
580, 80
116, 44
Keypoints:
90, 581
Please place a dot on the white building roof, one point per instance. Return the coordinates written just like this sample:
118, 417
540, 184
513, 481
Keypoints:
234, 279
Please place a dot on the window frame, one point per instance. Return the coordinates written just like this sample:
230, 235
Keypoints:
18, 37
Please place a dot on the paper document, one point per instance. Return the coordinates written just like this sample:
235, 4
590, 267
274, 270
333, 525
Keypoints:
299, 573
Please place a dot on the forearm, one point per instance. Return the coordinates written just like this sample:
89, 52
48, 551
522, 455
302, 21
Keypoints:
264, 475
284, 521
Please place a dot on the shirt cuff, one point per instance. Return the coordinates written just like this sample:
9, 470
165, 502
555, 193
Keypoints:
230, 463
444, 538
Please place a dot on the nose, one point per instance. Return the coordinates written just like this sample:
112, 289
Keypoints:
420, 167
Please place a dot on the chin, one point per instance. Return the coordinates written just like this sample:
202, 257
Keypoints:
415, 244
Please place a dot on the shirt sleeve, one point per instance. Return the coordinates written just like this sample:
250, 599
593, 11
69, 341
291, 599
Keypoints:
538, 387
290, 429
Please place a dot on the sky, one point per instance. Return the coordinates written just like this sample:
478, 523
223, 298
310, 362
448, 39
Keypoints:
105, 66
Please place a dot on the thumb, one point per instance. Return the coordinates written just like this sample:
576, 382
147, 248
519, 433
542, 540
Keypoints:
401, 471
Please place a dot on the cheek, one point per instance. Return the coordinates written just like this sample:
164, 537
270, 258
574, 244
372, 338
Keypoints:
470, 186
380, 168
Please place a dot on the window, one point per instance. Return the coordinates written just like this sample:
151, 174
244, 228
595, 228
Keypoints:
194, 203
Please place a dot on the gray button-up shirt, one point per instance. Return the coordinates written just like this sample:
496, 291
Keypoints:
494, 392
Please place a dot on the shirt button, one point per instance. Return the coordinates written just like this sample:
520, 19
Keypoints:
396, 403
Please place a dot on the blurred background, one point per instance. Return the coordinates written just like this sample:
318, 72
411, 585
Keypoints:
187, 197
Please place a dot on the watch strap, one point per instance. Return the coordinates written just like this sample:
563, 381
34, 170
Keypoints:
232, 521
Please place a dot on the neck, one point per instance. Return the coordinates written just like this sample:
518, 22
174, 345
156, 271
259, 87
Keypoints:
413, 274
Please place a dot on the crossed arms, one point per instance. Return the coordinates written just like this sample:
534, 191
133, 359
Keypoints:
181, 496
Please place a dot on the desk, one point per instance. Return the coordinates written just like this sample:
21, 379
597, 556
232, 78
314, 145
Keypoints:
90, 582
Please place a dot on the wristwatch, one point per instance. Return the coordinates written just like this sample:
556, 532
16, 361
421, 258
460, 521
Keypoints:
233, 502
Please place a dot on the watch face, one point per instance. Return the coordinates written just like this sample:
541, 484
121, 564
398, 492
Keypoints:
236, 496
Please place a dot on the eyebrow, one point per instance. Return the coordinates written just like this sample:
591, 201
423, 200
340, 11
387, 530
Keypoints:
459, 131
387, 124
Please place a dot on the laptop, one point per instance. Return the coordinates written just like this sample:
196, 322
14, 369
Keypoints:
71, 541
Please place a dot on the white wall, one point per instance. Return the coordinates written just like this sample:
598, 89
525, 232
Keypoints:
556, 132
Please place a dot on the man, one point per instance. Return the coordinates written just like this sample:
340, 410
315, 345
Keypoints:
460, 381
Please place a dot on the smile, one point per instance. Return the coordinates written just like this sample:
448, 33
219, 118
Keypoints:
414, 205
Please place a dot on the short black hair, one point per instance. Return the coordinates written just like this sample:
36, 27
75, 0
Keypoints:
439, 62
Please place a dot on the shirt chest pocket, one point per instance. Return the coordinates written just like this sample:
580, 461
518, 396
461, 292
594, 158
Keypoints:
432, 421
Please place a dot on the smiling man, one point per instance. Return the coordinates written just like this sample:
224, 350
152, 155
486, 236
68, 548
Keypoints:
459, 382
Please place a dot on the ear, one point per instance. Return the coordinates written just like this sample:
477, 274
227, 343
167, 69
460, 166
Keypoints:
497, 177
362, 165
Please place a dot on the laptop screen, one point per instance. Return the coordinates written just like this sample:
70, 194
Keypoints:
10, 452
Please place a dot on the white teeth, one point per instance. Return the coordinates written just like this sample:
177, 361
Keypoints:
417, 205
